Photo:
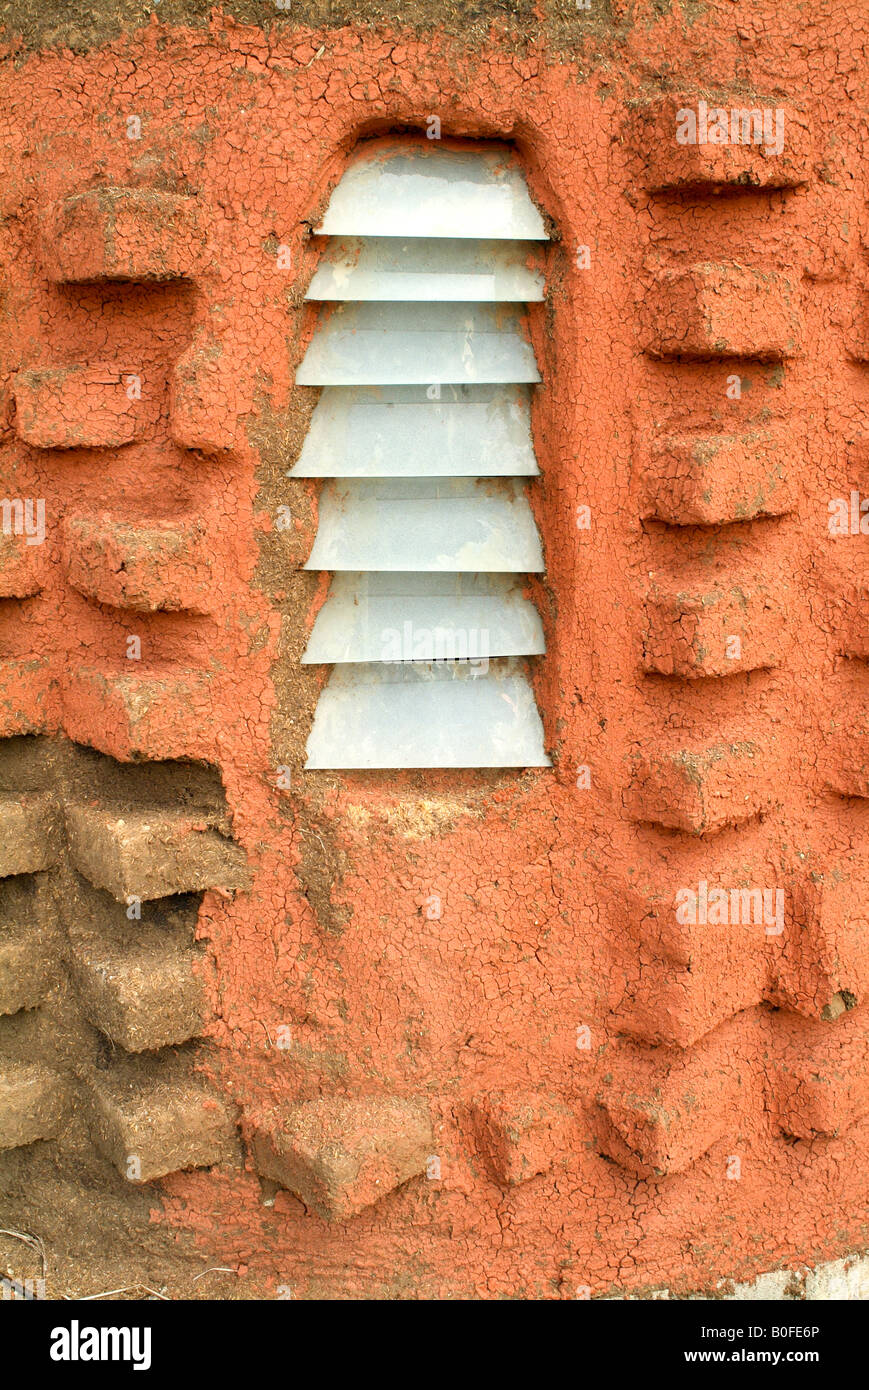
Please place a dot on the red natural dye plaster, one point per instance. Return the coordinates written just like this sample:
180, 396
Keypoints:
592, 1067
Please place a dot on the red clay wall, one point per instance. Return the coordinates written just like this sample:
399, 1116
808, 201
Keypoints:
619, 1101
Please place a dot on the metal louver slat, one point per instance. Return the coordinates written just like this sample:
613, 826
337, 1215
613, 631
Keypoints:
425, 717
433, 189
399, 431
447, 524
424, 617
389, 344
388, 268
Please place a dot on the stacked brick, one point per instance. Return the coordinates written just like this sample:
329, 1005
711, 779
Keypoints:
696, 1010
130, 868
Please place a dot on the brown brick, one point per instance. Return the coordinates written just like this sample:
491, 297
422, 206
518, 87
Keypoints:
151, 854
341, 1155
32, 1103
151, 1117
28, 834
136, 982
24, 969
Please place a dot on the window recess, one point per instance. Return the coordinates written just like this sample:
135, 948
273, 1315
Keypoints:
422, 436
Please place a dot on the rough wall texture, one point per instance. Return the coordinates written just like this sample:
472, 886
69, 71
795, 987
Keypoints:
445, 1035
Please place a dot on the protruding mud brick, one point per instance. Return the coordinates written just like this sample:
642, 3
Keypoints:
122, 234
827, 947
341, 1155
658, 1115
32, 1102
829, 234
820, 1084
148, 567
138, 716
22, 558
28, 834
701, 790
855, 619
27, 689
83, 407
713, 630
846, 748
204, 399
722, 309
25, 945
137, 982
23, 970
151, 1117
714, 479
522, 1133
855, 336
688, 143
685, 965
151, 854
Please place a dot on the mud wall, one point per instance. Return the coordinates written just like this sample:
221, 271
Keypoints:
546, 1082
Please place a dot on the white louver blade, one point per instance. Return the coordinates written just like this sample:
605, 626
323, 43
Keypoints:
433, 189
425, 716
424, 617
393, 344
422, 270
449, 524
472, 431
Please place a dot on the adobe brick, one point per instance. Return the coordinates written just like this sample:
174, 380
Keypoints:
820, 1085
32, 1103
138, 716
121, 234
659, 1115
138, 986
149, 1117
702, 789
21, 567
204, 403
716, 630
158, 567
714, 479
665, 164
151, 854
721, 310
521, 1133
82, 407
27, 695
28, 835
341, 1155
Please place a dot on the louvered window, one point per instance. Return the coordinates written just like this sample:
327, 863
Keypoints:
422, 436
